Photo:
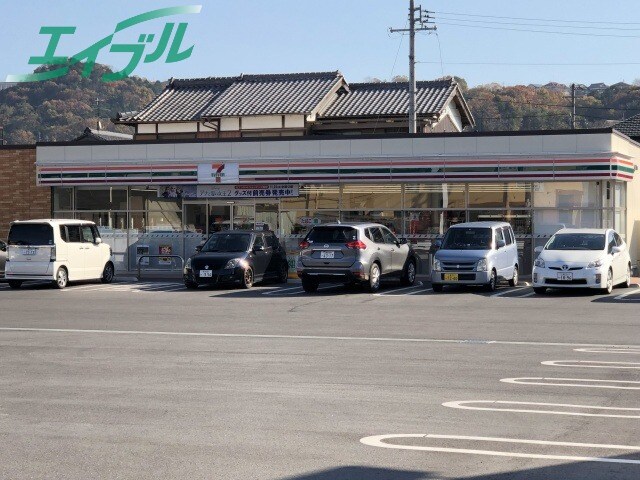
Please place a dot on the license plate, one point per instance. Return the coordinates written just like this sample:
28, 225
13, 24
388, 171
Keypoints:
327, 254
206, 273
28, 251
451, 277
565, 277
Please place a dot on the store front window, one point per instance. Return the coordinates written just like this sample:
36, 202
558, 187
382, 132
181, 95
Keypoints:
142, 219
500, 195
566, 195
372, 197
101, 198
427, 195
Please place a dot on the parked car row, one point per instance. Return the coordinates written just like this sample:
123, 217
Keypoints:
475, 253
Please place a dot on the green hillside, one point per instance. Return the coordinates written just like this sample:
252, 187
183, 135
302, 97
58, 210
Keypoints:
60, 109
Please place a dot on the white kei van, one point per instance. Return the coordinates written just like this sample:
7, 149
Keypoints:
58, 250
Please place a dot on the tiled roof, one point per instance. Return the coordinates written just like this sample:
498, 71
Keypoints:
373, 99
630, 127
190, 100
92, 134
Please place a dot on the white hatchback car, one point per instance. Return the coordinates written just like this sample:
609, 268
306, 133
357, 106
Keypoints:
582, 258
57, 250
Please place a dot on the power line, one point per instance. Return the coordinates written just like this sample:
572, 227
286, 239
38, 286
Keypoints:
554, 32
494, 22
537, 19
517, 64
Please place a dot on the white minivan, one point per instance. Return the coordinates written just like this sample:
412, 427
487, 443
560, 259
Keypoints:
58, 250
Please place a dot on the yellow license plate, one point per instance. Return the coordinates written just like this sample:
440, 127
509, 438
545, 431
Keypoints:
451, 277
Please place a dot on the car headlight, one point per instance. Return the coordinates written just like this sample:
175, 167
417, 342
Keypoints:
236, 262
187, 266
482, 265
596, 264
539, 262
437, 266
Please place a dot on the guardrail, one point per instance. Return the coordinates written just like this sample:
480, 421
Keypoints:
157, 256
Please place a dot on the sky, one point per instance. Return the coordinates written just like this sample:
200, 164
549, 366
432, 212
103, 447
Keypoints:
475, 40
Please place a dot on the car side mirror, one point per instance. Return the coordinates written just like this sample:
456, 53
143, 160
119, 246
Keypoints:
3, 248
437, 243
198, 248
258, 248
500, 244
98, 241
402, 241
615, 250
538, 250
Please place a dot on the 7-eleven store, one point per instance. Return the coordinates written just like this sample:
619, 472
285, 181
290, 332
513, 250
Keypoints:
166, 197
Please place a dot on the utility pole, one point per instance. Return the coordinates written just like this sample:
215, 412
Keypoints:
98, 123
418, 21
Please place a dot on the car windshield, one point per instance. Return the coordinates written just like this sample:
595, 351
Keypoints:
467, 239
576, 241
332, 235
228, 242
31, 234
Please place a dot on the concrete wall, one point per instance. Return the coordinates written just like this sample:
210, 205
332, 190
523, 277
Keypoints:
20, 199
317, 149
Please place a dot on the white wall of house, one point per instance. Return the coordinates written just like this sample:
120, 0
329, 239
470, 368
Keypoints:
186, 127
454, 114
146, 128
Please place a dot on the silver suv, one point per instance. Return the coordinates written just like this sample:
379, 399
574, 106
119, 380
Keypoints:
354, 253
476, 253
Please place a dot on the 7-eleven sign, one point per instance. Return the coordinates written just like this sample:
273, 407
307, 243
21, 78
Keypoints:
218, 172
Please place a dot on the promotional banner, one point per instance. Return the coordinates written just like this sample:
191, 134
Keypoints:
263, 190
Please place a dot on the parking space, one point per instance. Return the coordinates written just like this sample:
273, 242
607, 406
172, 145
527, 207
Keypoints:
293, 288
506, 384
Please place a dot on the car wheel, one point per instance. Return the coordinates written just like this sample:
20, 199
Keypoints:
309, 286
514, 281
374, 278
62, 278
15, 283
190, 285
493, 282
609, 286
247, 278
437, 287
107, 273
540, 290
409, 273
627, 280
283, 275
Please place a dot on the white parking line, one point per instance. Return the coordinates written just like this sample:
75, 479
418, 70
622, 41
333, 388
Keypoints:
464, 405
629, 351
530, 294
592, 364
584, 382
378, 441
280, 290
511, 290
420, 291
626, 294
464, 341
396, 290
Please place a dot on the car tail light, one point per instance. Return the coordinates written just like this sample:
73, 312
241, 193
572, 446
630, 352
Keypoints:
52, 258
304, 244
357, 245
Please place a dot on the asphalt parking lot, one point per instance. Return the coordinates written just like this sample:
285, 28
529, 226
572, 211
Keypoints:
150, 380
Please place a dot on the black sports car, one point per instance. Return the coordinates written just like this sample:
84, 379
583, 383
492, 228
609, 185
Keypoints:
237, 257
